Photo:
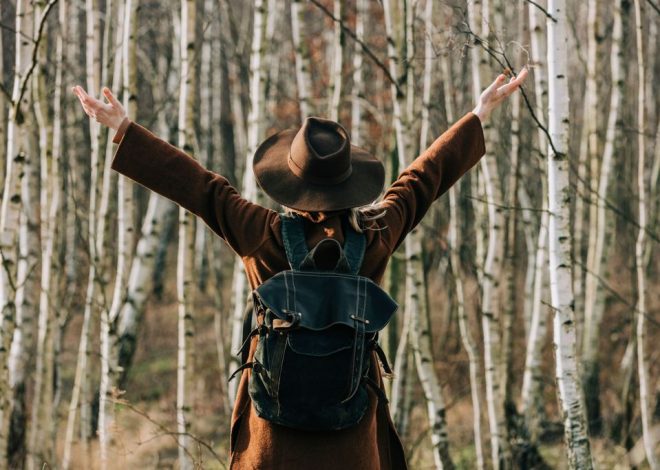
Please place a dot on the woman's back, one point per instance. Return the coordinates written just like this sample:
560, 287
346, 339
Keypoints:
253, 232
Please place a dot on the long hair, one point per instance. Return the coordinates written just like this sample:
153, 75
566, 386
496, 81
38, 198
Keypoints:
361, 218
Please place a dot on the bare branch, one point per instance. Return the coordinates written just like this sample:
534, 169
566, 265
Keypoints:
364, 47
654, 6
120, 401
26, 77
545, 12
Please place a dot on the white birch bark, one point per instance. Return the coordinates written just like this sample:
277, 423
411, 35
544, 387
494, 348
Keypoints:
254, 132
561, 288
10, 210
110, 370
533, 378
588, 156
454, 245
643, 349
337, 61
416, 297
3, 112
98, 197
593, 300
140, 278
358, 79
205, 83
42, 421
302, 65
532, 398
491, 265
185, 252
399, 383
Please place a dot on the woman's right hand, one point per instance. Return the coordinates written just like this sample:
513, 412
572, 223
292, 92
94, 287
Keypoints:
109, 114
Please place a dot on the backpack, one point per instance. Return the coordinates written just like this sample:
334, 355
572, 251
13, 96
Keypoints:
317, 331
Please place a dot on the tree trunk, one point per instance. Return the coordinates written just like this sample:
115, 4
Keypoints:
593, 302
301, 59
358, 79
492, 263
643, 349
256, 116
561, 288
586, 185
10, 211
186, 246
456, 267
337, 61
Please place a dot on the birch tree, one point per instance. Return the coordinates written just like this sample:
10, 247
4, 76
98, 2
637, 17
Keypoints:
561, 288
43, 412
467, 338
186, 248
597, 249
98, 194
643, 350
254, 133
337, 61
110, 370
358, 78
532, 398
492, 262
587, 162
301, 59
11, 207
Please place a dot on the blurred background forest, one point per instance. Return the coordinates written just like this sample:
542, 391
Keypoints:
121, 313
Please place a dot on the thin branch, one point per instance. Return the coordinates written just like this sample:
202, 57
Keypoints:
505, 207
618, 296
501, 58
654, 6
35, 50
13, 31
120, 401
545, 12
364, 47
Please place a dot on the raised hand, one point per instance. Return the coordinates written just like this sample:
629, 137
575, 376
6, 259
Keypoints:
497, 92
109, 114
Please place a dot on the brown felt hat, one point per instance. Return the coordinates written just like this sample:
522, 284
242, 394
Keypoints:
315, 168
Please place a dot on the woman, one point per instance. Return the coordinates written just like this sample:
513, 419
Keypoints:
315, 172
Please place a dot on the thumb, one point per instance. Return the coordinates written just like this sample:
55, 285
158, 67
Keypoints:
110, 97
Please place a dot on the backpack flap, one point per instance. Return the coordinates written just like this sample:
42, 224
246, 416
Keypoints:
324, 299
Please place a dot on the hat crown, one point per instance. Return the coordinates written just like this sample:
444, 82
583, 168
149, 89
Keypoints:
320, 152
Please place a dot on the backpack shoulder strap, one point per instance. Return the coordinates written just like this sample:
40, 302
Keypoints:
354, 246
293, 235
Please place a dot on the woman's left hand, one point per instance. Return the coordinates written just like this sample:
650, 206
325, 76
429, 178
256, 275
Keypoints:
497, 92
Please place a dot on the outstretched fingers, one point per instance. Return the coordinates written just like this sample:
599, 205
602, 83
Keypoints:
513, 84
111, 98
91, 105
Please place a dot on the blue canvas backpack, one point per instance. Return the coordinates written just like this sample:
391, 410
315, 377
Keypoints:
317, 327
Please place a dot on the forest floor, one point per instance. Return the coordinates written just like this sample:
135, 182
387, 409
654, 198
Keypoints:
145, 429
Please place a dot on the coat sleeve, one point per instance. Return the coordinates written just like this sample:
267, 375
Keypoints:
430, 175
165, 169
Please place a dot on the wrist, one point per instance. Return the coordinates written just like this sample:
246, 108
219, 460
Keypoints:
117, 123
481, 113
121, 129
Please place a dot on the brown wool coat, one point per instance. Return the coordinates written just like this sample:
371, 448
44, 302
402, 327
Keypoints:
253, 232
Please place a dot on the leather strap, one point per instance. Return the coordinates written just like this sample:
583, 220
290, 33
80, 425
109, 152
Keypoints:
354, 246
293, 236
360, 323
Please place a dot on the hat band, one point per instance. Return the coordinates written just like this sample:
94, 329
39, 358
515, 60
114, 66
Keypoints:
328, 181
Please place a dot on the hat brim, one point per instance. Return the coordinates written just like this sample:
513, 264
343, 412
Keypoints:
273, 175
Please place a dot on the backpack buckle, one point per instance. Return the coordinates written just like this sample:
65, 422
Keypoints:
292, 321
356, 318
